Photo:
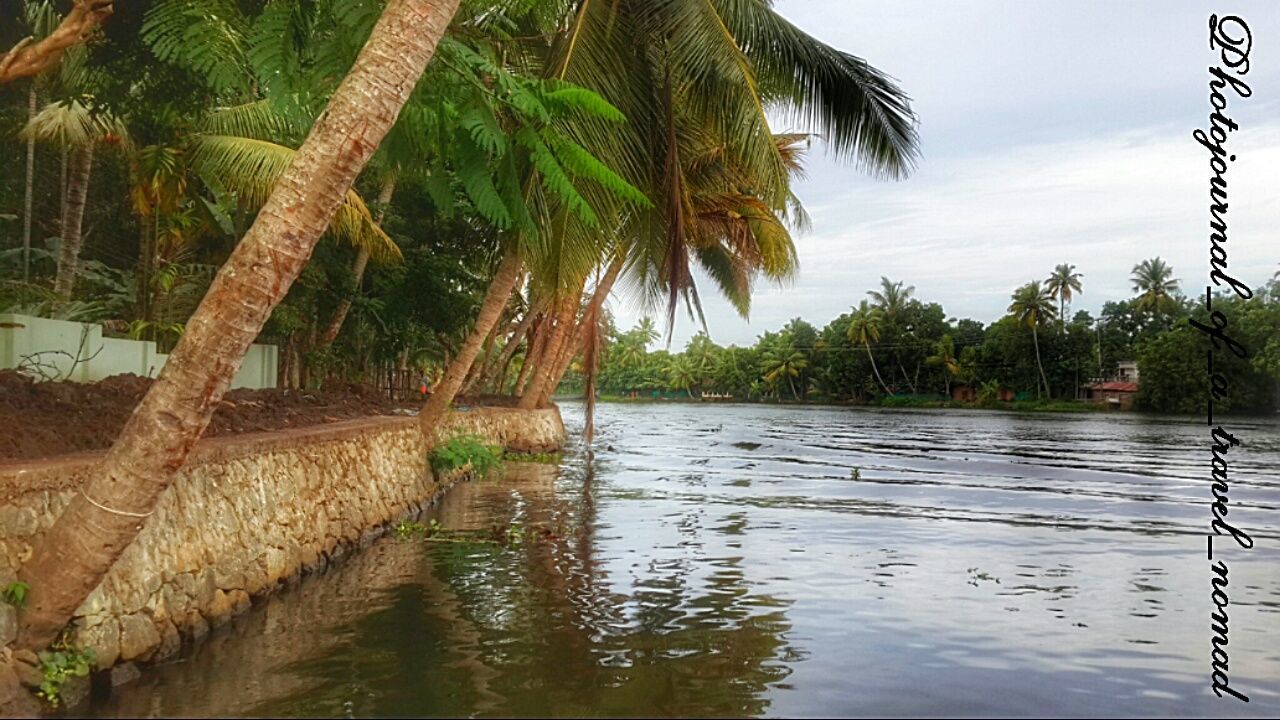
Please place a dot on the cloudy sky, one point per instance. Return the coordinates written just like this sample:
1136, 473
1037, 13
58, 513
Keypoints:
1051, 132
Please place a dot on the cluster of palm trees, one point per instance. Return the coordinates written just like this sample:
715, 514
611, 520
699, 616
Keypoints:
622, 141
908, 346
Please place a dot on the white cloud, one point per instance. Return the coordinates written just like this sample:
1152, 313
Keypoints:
1012, 183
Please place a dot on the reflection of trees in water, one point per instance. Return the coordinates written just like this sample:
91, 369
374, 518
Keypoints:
682, 642
471, 628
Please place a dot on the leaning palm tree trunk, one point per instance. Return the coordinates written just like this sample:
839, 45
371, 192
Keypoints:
580, 334
481, 365
29, 58
513, 344
362, 262
562, 323
1035, 339
29, 198
875, 369
105, 516
537, 343
73, 221
495, 300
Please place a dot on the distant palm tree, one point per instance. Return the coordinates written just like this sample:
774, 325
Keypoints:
1061, 284
1154, 282
892, 297
647, 330
784, 361
1032, 305
682, 375
945, 356
864, 328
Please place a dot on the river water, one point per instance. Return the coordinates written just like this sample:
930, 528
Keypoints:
754, 560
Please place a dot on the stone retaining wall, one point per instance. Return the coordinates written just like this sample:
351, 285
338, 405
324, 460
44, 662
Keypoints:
245, 514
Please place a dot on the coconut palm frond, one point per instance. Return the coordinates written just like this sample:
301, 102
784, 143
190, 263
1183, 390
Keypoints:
75, 123
860, 111
251, 168
259, 120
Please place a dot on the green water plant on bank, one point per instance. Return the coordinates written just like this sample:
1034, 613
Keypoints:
511, 535
59, 664
544, 458
462, 451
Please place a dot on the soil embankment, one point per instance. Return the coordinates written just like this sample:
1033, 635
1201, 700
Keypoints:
41, 420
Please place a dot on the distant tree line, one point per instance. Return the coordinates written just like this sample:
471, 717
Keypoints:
895, 347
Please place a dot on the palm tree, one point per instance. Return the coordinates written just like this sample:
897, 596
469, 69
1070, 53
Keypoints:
892, 297
41, 18
80, 548
1031, 305
1154, 282
944, 355
1061, 284
682, 375
77, 128
864, 329
697, 140
783, 361
646, 330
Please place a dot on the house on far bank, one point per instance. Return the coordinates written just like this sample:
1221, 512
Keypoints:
1118, 391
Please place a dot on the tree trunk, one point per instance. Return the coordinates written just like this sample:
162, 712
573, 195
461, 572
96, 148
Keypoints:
29, 198
581, 331
477, 371
537, 344
513, 344
907, 378
495, 301
72, 238
545, 364
875, 369
29, 58
1035, 338
362, 262
105, 516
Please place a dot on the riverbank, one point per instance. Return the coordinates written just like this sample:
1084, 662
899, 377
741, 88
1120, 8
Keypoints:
1054, 406
247, 515
728, 561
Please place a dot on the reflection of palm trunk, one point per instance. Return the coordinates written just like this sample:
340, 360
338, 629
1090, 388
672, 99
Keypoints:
72, 237
495, 300
76, 553
29, 198
362, 262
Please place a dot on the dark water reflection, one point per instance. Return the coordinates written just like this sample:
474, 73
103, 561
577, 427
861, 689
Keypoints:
729, 561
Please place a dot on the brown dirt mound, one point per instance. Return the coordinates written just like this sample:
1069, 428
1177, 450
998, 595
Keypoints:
51, 418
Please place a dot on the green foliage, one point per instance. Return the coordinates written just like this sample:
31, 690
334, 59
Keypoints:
553, 458
15, 594
60, 663
919, 347
465, 451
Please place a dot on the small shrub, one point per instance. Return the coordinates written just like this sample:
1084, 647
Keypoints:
463, 450
15, 594
60, 663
